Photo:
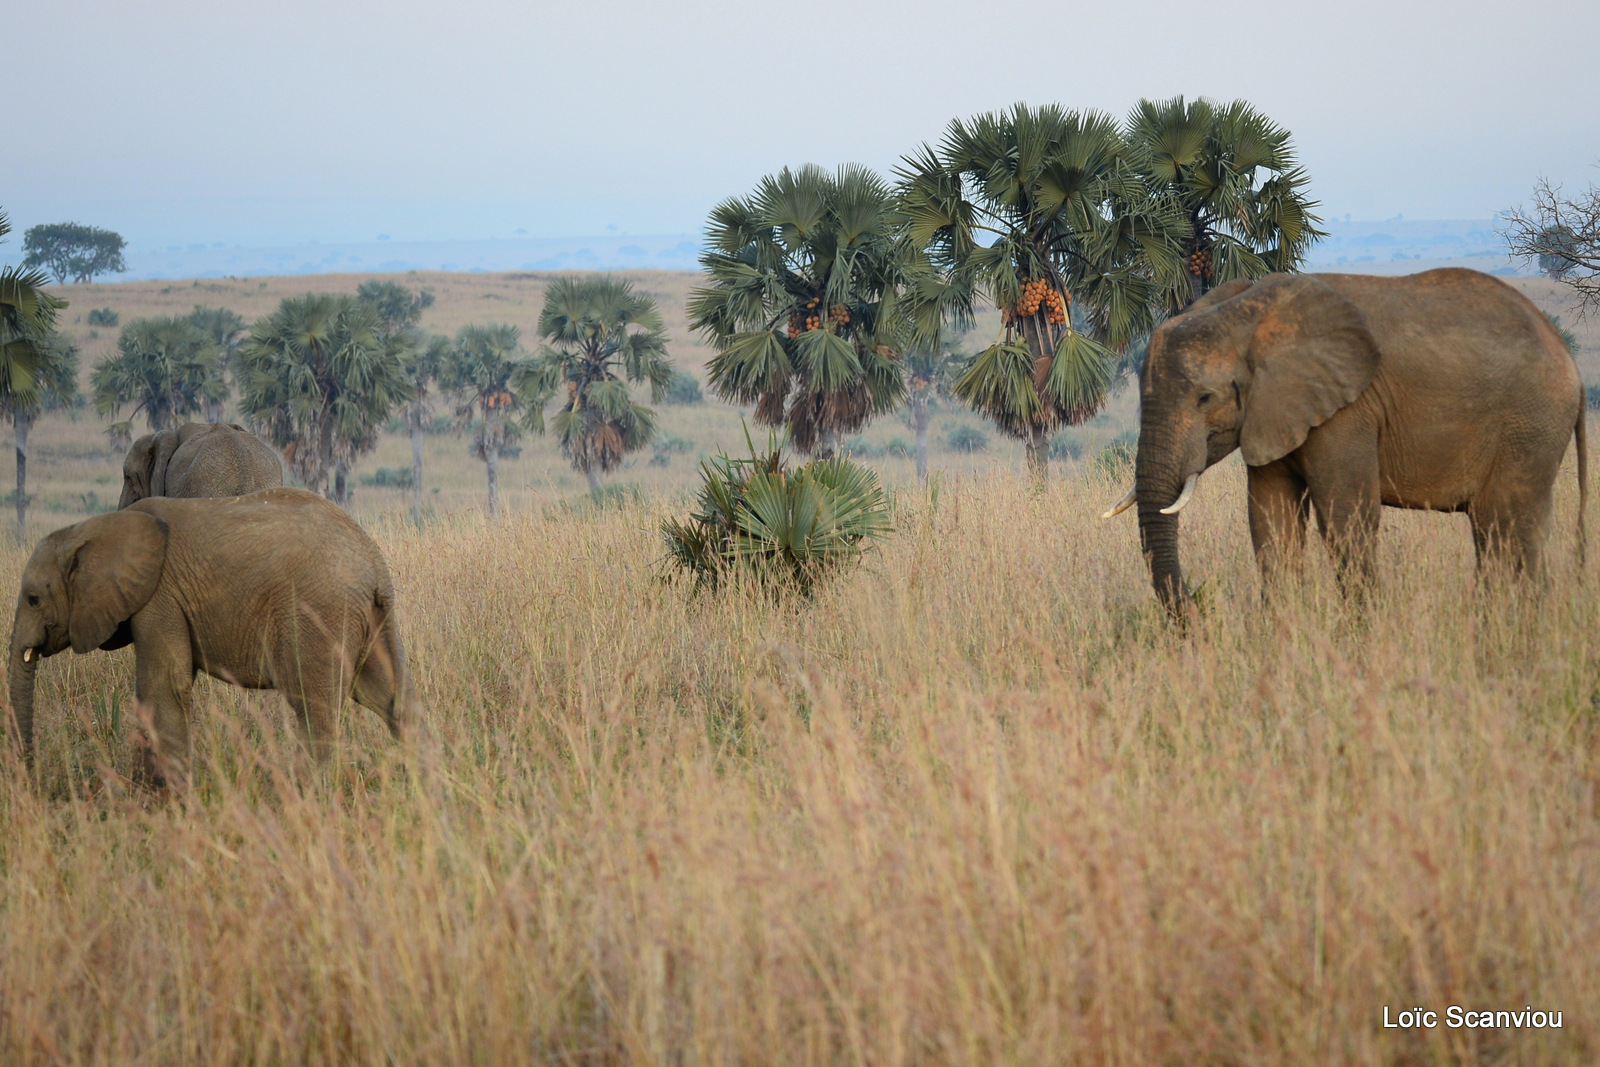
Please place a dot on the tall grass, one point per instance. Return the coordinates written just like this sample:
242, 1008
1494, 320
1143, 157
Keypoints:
975, 803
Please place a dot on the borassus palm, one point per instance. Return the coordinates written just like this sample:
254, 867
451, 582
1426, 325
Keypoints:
600, 336
801, 303
1231, 172
1031, 208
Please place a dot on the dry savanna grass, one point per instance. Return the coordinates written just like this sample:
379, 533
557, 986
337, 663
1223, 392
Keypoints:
975, 803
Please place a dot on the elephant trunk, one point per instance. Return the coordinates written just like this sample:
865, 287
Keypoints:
1158, 480
24, 662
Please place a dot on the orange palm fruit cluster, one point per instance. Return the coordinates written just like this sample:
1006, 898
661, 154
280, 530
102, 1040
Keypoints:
1039, 293
1200, 263
839, 315
495, 401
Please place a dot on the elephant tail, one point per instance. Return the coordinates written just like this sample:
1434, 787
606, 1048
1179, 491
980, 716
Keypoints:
1581, 435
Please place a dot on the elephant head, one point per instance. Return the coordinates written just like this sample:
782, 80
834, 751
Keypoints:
1249, 366
79, 587
144, 468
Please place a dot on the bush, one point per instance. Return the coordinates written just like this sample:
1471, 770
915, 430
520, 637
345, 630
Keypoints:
967, 439
861, 448
787, 529
1066, 446
899, 446
1116, 457
102, 317
1592, 396
684, 388
388, 477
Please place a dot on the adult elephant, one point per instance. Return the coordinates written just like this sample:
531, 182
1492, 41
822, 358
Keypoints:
279, 589
1446, 390
199, 459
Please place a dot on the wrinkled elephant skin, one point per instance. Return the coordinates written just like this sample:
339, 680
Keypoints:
1446, 390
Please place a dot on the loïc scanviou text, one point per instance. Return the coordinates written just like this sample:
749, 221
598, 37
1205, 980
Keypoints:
1456, 1017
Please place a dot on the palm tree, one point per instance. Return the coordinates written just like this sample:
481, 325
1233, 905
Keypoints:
320, 375
801, 307
1030, 208
423, 367
167, 368
55, 385
401, 310
33, 359
487, 370
600, 335
226, 329
1231, 171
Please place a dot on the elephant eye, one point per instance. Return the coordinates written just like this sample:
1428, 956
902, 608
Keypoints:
1206, 398
33, 600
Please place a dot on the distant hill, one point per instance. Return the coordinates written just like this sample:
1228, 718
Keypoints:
1405, 246
677, 251
1393, 246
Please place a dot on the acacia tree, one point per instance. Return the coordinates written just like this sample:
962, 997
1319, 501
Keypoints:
1231, 172
1562, 233
488, 371
166, 368
801, 305
226, 329
1030, 208
599, 336
72, 250
320, 375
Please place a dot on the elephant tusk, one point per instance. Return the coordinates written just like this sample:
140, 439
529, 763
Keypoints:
27, 655
1120, 506
1183, 497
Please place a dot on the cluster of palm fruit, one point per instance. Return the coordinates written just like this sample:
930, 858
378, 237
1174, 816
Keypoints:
1038, 293
809, 317
1200, 263
496, 401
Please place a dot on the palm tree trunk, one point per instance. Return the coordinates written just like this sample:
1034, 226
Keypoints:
24, 423
919, 423
1038, 454
593, 474
414, 421
341, 485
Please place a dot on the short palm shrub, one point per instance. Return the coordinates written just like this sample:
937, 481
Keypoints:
102, 317
788, 529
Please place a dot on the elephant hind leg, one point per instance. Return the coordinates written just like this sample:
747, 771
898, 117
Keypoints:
1510, 529
382, 685
314, 684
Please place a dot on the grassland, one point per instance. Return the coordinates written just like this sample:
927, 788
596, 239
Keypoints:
975, 803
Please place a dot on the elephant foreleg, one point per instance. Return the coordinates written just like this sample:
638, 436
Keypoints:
164, 681
1279, 513
1342, 476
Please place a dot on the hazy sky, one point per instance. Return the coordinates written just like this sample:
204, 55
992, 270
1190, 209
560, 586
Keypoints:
200, 121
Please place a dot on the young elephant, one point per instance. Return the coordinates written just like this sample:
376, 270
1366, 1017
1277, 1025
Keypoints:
199, 459
275, 590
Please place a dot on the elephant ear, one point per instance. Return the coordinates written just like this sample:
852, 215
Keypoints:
1311, 354
112, 568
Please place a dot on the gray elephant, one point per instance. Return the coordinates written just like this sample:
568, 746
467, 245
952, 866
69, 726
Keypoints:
1446, 390
278, 589
199, 459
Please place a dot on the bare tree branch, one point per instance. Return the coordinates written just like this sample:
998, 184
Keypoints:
1561, 234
